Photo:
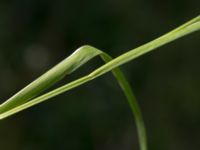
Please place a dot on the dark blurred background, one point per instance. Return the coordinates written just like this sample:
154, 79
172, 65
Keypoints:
37, 34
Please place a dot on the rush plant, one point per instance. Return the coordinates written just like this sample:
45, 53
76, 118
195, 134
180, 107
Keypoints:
31, 94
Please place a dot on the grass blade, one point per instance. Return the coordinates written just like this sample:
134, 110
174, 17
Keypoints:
18, 106
67, 66
15, 104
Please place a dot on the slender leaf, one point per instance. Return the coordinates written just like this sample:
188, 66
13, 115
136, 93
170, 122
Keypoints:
27, 97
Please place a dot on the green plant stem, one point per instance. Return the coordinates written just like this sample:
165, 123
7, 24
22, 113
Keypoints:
190, 27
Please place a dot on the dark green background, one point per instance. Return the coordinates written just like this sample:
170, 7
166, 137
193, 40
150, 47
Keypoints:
37, 34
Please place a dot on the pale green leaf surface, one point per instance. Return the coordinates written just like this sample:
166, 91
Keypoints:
27, 97
20, 101
67, 66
